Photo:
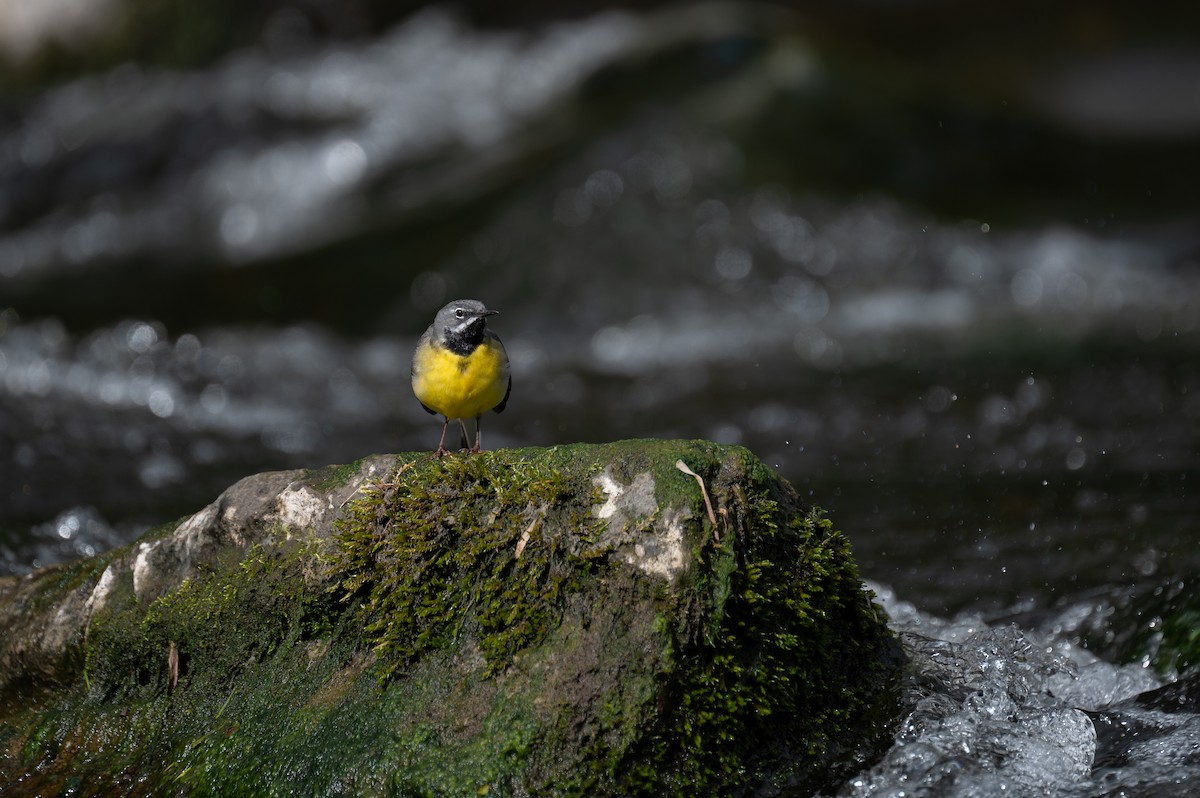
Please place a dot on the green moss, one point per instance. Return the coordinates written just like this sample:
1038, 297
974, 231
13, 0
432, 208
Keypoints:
242, 622
489, 763
232, 611
784, 664
779, 654
457, 545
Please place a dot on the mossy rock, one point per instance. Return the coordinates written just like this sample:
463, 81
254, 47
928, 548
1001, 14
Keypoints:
579, 620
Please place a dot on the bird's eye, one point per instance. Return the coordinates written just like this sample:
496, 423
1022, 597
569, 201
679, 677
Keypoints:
458, 313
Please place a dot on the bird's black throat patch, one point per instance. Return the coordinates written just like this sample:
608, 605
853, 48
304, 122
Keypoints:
463, 340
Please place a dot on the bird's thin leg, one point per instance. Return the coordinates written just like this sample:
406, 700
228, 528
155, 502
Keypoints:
478, 435
441, 450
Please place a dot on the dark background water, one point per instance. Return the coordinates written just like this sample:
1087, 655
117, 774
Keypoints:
937, 263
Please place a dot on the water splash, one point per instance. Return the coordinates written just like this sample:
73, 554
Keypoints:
994, 710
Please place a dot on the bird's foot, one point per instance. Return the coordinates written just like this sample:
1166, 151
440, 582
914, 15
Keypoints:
440, 451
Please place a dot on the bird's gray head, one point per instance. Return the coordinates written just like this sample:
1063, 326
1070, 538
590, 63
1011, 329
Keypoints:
462, 322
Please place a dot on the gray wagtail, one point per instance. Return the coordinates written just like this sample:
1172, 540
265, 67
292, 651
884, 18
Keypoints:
460, 368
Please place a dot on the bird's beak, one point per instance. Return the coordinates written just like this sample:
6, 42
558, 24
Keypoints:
491, 312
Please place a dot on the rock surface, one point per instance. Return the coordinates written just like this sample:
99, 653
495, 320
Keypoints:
579, 620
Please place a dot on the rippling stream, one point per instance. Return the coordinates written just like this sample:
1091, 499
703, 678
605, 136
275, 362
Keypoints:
692, 227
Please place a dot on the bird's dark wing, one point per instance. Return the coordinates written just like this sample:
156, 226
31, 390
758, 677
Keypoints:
508, 390
504, 401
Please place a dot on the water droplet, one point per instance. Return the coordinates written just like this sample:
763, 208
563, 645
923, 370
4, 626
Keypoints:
161, 403
239, 225
1026, 288
604, 187
734, 263
1076, 459
213, 398
345, 162
141, 337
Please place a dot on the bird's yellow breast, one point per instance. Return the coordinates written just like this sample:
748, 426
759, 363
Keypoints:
460, 386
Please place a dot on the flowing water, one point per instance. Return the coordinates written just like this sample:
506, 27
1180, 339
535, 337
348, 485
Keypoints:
999, 403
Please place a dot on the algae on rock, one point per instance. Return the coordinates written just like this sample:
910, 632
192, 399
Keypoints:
563, 621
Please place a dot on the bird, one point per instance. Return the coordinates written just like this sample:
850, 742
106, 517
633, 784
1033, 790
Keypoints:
460, 369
